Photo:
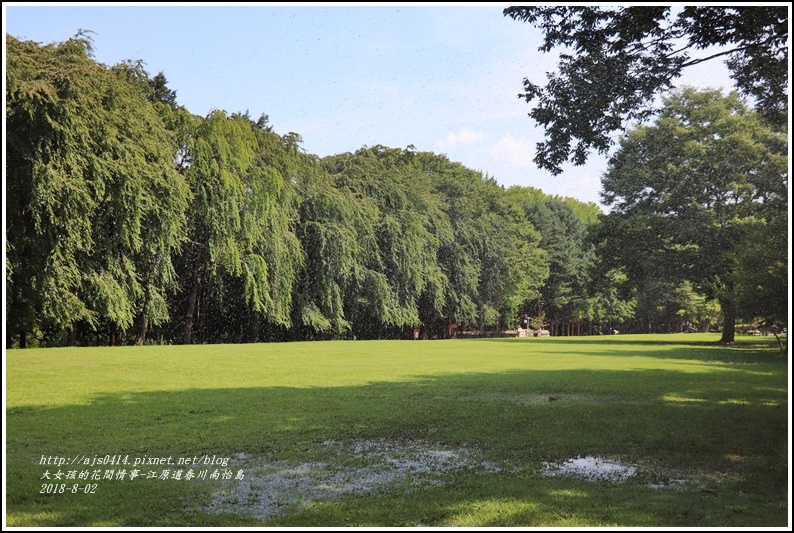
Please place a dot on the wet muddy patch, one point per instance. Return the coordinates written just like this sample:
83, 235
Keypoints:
590, 468
270, 489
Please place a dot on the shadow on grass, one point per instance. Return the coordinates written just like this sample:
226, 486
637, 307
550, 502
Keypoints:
732, 424
676, 339
750, 353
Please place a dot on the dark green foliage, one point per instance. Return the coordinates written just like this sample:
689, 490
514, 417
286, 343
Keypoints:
762, 264
95, 206
131, 220
429, 243
692, 191
336, 232
241, 232
563, 299
618, 60
407, 228
494, 262
160, 91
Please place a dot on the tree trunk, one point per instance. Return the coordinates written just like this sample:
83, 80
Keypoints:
191, 308
254, 324
202, 308
140, 340
729, 320
779, 343
116, 336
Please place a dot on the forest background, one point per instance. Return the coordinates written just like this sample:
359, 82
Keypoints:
130, 219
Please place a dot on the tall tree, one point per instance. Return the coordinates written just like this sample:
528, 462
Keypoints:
163, 200
618, 60
409, 228
271, 207
240, 225
563, 297
458, 256
612, 302
92, 192
494, 262
686, 187
336, 232
762, 268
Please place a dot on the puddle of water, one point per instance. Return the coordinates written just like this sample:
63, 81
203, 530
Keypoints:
270, 489
590, 468
367, 466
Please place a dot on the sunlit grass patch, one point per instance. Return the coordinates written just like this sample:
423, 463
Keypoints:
369, 414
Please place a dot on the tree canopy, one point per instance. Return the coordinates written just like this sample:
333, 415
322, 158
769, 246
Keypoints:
132, 220
95, 204
616, 61
692, 190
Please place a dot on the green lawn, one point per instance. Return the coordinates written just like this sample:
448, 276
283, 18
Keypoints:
704, 426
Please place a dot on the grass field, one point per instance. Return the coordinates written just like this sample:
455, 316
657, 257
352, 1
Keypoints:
402, 433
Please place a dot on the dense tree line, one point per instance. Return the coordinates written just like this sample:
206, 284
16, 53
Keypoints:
131, 220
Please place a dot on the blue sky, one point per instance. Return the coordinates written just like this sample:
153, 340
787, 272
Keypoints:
442, 77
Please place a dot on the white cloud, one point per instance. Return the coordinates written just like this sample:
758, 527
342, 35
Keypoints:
515, 152
463, 137
585, 186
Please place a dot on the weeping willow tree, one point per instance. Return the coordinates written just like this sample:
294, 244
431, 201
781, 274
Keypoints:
94, 202
493, 260
244, 307
242, 245
336, 231
400, 278
271, 213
